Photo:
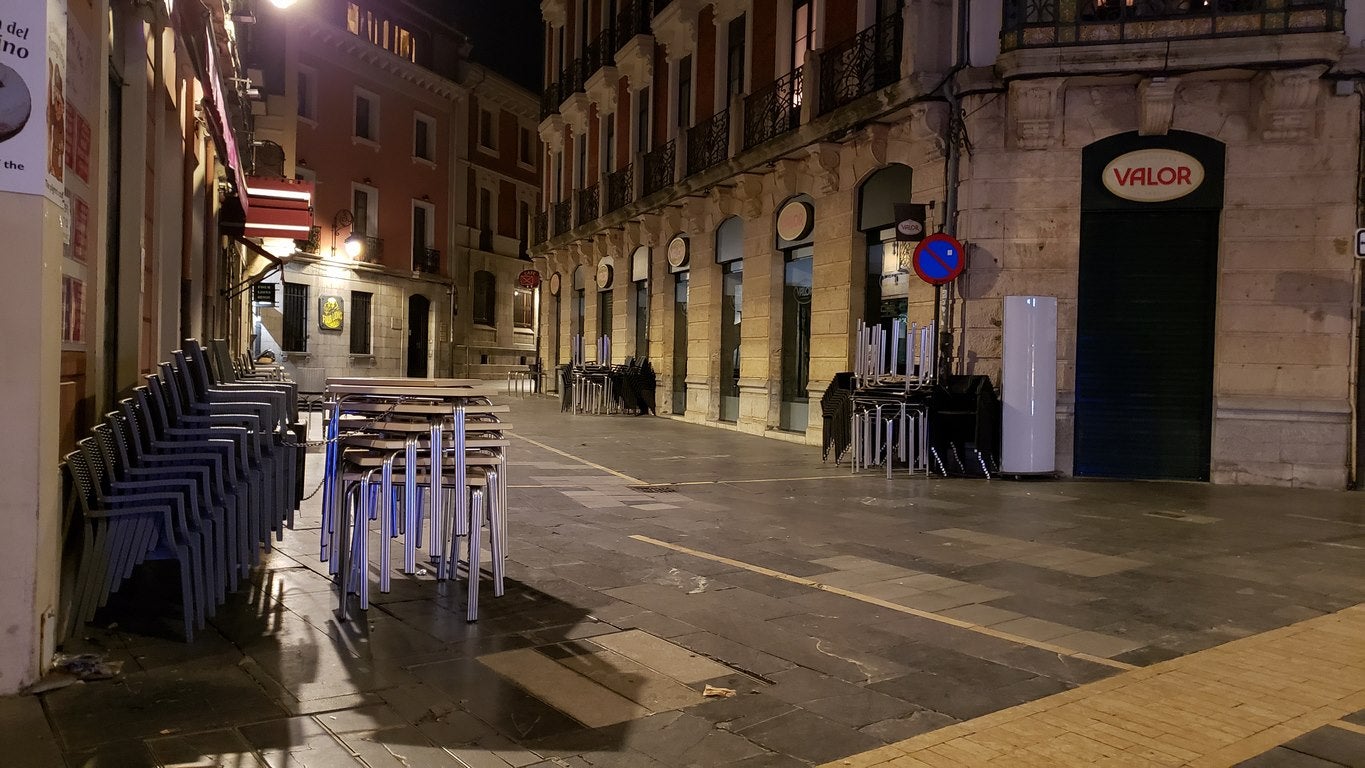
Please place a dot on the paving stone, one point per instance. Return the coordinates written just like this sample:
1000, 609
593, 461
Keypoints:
807, 736
574, 695
26, 739
982, 615
668, 658
1331, 743
1280, 757
1035, 629
1096, 644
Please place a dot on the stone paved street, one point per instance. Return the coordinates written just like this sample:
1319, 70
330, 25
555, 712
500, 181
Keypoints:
859, 621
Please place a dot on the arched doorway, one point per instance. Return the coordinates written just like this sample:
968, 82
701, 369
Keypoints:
1145, 306
419, 335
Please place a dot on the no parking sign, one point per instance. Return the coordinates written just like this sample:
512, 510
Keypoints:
939, 259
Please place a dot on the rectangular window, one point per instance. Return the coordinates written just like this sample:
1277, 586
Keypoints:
367, 116
360, 322
523, 223
525, 146
523, 309
487, 135
423, 137
360, 208
308, 100
641, 320
642, 120
604, 314
295, 333
803, 30
734, 64
685, 92
680, 341
609, 145
485, 210
485, 297
582, 162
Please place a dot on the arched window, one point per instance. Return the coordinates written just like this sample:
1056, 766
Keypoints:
485, 298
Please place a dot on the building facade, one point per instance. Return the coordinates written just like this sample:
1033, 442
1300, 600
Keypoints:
421, 162
721, 183
120, 173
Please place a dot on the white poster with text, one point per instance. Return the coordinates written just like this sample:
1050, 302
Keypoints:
32, 98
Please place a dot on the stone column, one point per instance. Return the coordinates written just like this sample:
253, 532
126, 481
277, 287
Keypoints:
703, 329
760, 349
839, 248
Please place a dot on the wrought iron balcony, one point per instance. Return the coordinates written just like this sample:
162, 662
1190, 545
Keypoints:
374, 250
868, 61
620, 188
540, 231
632, 20
708, 142
659, 168
588, 204
601, 52
773, 110
312, 245
426, 260
1048, 23
550, 100
571, 80
562, 212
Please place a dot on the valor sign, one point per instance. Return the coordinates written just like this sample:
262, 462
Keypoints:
1153, 175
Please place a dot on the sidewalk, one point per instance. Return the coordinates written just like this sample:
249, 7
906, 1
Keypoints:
858, 621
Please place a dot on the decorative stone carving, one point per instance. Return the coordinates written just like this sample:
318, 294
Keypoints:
695, 218
676, 28
749, 194
1033, 108
635, 61
602, 89
726, 10
823, 163
552, 132
788, 178
1156, 105
1289, 104
555, 12
575, 112
928, 125
725, 202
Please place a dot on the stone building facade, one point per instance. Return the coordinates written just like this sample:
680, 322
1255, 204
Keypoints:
426, 157
1184, 182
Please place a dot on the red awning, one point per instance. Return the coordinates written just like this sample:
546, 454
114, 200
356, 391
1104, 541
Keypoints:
278, 208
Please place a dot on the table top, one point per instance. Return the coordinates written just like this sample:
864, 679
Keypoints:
446, 392
404, 382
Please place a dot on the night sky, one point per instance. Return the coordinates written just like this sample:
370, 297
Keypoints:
506, 35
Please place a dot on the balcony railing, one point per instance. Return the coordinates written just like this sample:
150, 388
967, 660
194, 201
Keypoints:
540, 231
600, 52
659, 168
588, 200
708, 142
631, 21
571, 80
313, 244
868, 61
620, 188
1047, 23
374, 250
549, 100
426, 260
773, 110
562, 213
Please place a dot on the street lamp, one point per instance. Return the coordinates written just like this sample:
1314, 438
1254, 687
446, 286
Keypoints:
354, 245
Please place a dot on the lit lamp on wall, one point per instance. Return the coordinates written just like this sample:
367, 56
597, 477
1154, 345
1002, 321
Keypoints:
354, 245
281, 3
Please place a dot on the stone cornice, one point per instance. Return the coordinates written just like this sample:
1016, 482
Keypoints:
602, 89
555, 12
635, 60
380, 60
676, 28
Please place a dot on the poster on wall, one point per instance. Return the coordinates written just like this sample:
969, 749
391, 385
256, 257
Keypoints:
32, 98
79, 211
73, 310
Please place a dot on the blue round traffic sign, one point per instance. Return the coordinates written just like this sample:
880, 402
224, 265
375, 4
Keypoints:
938, 259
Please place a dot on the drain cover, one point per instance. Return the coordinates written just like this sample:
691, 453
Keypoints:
654, 488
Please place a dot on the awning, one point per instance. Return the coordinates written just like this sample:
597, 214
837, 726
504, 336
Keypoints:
278, 208
195, 27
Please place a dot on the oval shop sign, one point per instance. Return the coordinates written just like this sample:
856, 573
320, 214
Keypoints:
1153, 175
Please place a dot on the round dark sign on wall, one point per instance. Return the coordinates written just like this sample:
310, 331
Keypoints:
529, 278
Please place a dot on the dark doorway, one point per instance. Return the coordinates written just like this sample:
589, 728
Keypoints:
1144, 344
419, 311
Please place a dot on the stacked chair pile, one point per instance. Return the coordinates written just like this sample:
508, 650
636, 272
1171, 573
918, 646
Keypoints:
425, 461
202, 466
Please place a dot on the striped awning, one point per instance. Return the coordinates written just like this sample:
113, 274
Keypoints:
278, 208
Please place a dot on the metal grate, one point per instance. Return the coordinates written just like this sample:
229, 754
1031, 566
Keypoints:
773, 110
659, 168
708, 143
360, 322
295, 332
856, 67
654, 488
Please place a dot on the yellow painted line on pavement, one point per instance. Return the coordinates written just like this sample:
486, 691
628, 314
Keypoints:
764, 480
579, 459
887, 604
1209, 709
